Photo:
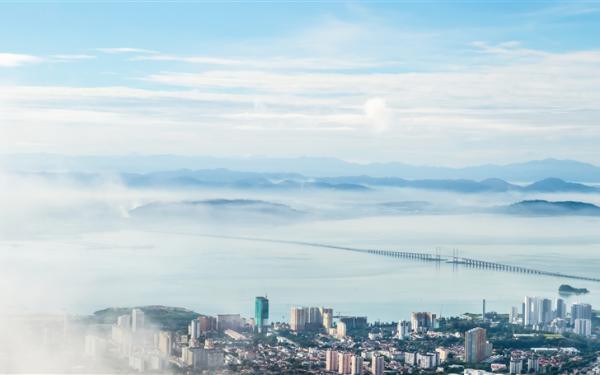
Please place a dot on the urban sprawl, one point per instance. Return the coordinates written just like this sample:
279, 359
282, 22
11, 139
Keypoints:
540, 336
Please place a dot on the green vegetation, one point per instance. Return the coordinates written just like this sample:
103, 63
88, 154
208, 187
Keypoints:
168, 318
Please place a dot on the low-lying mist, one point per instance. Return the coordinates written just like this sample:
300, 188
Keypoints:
67, 247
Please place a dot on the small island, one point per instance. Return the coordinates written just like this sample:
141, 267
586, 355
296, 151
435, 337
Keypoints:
568, 289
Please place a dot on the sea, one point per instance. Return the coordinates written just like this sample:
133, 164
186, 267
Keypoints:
184, 266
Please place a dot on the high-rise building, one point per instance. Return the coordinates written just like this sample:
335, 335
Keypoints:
341, 330
560, 308
356, 365
298, 318
124, 322
582, 327
331, 360
315, 318
354, 322
533, 365
205, 359
403, 329
427, 360
137, 320
165, 343
207, 323
423, 321
327, 315
344, 360
229, 321
531, 313
443, 354
476, 346
312, 318
545, 311
377, 365
516, 365
581, 311
410, 358
514, 315
261, 314
194, 329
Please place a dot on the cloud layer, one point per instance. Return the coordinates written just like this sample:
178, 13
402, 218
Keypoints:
336, 88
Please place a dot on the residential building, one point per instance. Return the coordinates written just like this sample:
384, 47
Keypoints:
476, 346
377, 365
356, 365
298, 318
582, 327
423, 321
344, 362
331, 360
403, 329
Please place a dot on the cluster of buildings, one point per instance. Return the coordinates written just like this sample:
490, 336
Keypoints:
546, 360
544, 314
322, 319
310, 318
317, 341
132, 340
144, 347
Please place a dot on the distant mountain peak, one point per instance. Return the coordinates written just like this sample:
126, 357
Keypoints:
539, 207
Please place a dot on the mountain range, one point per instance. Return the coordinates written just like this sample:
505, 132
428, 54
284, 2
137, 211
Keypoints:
223, 178
528, 171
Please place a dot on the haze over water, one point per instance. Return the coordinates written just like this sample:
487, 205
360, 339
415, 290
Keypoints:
174, 265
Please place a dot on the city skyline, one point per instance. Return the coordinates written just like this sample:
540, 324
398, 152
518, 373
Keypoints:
329, 187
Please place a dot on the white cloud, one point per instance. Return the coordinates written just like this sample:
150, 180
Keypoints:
280, 63
513, 96
10, 60
378, 115
115, 50
74, 57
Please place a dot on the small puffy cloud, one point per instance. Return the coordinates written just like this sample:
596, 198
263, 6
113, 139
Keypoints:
10, 60
378, 114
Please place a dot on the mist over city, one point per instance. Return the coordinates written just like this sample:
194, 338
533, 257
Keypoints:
326, 187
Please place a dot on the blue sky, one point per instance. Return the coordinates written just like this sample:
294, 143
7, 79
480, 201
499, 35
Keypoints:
425, 82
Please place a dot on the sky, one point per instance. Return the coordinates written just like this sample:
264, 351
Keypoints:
428, 82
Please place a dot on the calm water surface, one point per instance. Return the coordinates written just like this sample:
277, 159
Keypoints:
139, 266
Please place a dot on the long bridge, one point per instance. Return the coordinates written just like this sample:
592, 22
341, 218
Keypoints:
437, 257
472, 263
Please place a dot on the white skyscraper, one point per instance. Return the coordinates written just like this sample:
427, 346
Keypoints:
516, 366
124, 322
403, 329
195, 329
137, 320
531, 311
583, 327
